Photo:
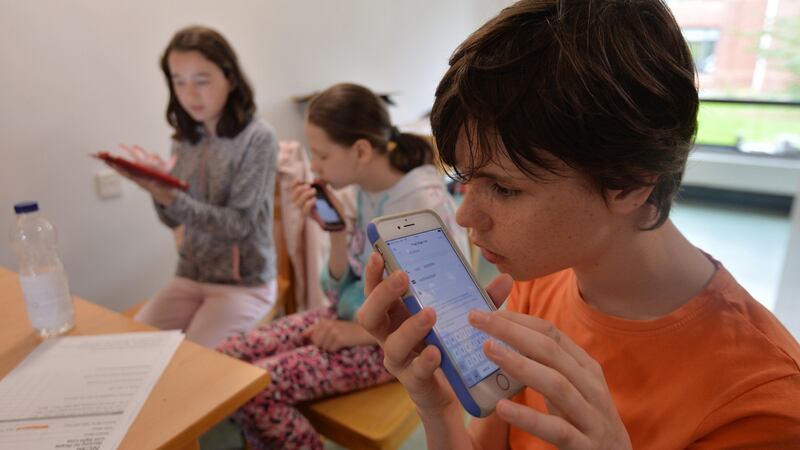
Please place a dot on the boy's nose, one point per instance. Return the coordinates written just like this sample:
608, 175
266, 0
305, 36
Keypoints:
470, 215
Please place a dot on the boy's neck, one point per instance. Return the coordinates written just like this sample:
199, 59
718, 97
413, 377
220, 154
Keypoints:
645, 276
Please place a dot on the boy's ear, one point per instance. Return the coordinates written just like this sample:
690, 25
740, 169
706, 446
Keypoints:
628, 200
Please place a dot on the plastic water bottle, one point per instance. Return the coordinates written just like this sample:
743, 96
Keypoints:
41, 273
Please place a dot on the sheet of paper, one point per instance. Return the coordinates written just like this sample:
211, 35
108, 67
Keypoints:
81, 392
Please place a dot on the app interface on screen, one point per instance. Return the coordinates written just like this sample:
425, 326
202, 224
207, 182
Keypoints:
439, 280
326, 211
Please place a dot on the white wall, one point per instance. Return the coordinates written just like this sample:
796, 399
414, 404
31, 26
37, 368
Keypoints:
737, 172
82, 75
787, 306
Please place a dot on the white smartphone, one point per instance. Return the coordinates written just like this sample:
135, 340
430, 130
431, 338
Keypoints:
418, 243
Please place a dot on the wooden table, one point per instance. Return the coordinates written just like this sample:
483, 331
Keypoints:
199, 387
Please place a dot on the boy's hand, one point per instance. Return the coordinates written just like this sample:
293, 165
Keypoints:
401, 336
581, 412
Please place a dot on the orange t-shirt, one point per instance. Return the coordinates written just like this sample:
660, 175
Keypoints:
719, 372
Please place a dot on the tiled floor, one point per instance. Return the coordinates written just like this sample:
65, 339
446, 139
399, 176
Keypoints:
750, 243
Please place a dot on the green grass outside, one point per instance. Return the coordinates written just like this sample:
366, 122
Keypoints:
720, 123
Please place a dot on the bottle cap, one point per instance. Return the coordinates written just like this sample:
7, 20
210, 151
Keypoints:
26, 207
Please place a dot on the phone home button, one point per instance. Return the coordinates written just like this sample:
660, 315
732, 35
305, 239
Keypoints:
502, 381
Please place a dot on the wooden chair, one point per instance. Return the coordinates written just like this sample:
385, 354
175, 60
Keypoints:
378, 418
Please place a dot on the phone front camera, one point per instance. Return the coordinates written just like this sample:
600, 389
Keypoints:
398, 227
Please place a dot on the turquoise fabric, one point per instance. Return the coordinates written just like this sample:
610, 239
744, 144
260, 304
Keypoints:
349, 290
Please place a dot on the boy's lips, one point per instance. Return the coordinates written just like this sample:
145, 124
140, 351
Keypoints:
489, 255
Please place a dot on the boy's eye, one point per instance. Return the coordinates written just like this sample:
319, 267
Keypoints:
503, 191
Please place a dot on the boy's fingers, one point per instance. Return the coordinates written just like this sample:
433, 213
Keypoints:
552, 429
399, 347
545, 377
546, 328
540, 341
374, 272
424, 366
373, 315
499, 288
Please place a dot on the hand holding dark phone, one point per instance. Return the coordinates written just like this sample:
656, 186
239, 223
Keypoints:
324, 212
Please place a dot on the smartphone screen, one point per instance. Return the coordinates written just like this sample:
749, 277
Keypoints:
440, 280
326, 211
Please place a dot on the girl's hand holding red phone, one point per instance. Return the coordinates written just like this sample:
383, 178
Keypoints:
162, 193
152, 173
148, 158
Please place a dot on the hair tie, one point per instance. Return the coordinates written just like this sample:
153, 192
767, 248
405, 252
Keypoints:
394, 136
394, 133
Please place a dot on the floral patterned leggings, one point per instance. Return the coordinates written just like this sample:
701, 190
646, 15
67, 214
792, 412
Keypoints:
299, 371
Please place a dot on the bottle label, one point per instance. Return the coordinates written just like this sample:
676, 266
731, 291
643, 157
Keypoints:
47, 299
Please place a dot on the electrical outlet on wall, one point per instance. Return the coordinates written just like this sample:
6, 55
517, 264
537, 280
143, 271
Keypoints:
108, 183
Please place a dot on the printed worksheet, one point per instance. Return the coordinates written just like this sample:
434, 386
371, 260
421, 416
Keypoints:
81, 392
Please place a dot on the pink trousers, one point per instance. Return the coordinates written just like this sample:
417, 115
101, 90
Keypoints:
208, 313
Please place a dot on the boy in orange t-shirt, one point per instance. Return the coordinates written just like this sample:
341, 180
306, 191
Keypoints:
570, 121
718, 372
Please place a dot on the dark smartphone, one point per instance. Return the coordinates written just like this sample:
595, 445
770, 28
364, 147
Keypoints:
324, 212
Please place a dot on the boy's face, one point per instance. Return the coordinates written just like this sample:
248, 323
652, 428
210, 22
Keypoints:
530, 228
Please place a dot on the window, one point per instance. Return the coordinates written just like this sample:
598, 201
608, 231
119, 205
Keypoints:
745, 52
702, 42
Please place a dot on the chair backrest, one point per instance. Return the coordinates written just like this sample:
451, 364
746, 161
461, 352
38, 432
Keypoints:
285, 303
303, 243
378, 418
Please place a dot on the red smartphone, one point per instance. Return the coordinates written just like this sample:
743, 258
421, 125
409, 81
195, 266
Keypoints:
324, 212
142, 170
